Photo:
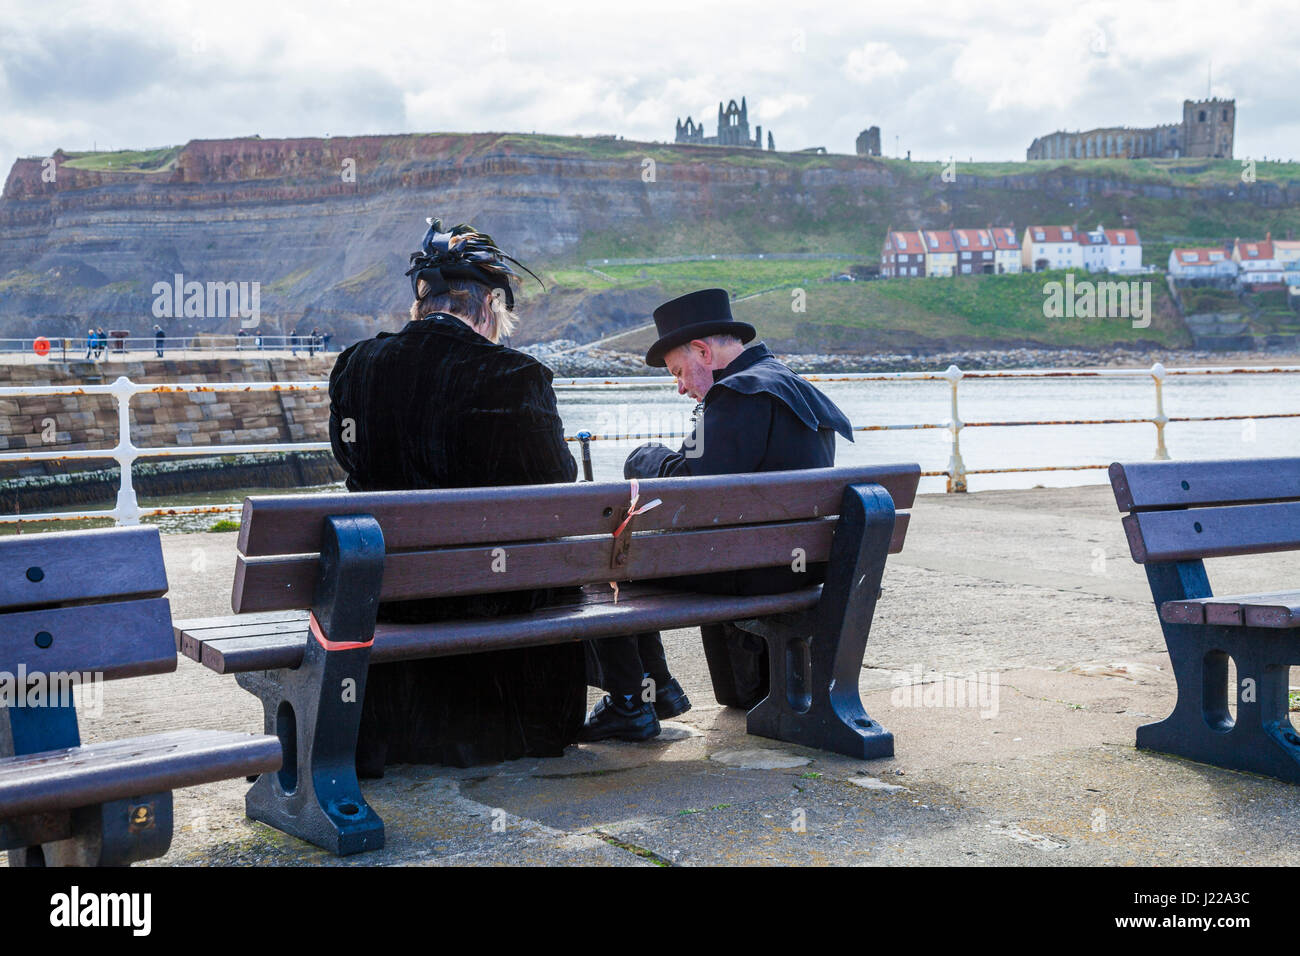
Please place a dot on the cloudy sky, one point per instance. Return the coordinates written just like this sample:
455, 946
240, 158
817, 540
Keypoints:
962, 79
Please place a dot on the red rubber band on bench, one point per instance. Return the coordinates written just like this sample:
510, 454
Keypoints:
329, 645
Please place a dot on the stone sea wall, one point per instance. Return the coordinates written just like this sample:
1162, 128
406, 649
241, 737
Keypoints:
162, 419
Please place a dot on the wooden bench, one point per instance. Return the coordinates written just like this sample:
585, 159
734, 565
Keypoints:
90, 604
338, 556
1178, 514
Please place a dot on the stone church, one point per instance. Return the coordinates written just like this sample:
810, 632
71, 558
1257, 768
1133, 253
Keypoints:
733, 129
1205, 132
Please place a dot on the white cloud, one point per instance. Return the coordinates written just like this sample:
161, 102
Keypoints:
982, 80
873, 61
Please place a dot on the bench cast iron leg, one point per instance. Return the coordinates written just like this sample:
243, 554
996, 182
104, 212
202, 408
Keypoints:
315, 708
815, 659
1261, 739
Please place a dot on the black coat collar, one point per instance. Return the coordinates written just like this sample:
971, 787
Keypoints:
444, 324
749, 357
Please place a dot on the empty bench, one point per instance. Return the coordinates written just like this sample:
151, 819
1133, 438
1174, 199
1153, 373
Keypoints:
77, 609
1178, 514
313, 569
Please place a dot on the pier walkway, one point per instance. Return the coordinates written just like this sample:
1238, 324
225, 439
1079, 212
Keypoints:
1028, 602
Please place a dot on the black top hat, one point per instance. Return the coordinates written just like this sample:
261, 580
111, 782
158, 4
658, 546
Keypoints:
696, 315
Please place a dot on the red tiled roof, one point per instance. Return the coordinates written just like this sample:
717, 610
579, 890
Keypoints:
1261, 250
976, 239
938, 241
1130, 237
909, 242
1005, 238
1053, 234
1202, 255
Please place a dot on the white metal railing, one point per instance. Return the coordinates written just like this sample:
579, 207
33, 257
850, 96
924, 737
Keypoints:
36, 349
127, 509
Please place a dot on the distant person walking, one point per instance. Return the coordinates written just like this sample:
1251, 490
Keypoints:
293, 340
159, 338
325, 341
315, 341
90, 342
103, 341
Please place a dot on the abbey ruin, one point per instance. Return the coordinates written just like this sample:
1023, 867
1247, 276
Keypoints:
733, 129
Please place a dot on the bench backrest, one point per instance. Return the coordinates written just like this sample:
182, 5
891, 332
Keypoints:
1189, 510
85, 602
449, 542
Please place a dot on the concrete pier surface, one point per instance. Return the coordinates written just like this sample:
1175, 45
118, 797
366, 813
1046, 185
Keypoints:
1014, 653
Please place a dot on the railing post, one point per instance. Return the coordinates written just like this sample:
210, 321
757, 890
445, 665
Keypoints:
956, 467
1161, 419
127, 511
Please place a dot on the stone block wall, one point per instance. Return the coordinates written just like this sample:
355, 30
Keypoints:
68, 422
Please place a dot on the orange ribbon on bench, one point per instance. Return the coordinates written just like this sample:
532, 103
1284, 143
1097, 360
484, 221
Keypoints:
632, 512
329, 645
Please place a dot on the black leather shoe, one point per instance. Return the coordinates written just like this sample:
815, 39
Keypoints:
671, 701
626, 719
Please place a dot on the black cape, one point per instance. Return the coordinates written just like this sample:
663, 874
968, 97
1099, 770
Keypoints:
758, 416
436, 405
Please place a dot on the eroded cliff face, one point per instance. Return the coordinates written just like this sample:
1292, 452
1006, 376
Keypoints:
324, 226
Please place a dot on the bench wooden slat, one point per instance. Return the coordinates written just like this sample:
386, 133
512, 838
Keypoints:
1277, 609
638, 609
63, 566
281, 583
1224, 531
190, 639
1153, 485
291, 524
125, 639
97, 773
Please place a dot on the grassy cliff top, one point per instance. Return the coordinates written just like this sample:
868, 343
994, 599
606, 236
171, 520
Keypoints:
1172, 172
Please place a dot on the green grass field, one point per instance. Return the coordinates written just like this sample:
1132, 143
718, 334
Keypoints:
127, 160
740, 277
967, 309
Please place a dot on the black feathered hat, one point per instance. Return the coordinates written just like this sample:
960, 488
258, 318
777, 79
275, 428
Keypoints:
696, 315
462, 253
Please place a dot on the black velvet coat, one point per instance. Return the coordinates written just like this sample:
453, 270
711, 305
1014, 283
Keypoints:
436, 405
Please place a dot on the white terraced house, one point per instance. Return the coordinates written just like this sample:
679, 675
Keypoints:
1203, 262
1257, 262
1051, 247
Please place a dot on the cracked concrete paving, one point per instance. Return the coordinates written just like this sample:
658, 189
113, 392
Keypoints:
1025, 601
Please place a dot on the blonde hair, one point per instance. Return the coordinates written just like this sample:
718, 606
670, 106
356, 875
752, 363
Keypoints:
468, 300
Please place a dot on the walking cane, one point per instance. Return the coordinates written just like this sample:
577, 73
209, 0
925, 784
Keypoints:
584, 439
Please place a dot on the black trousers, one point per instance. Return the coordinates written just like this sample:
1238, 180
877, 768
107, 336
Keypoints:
622, 663
737, 660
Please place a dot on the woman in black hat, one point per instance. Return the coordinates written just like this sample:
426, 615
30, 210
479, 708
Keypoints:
442, 404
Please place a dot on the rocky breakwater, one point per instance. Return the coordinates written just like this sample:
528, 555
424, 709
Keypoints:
161, 419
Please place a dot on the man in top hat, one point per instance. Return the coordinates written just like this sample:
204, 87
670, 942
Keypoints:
755, 414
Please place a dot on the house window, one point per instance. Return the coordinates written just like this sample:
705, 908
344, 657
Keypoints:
961, 237
1066, 235
902, 257
965, 255
966, 269
1216, 256
1202, 116
1039, 235
934, 242
1121, 239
